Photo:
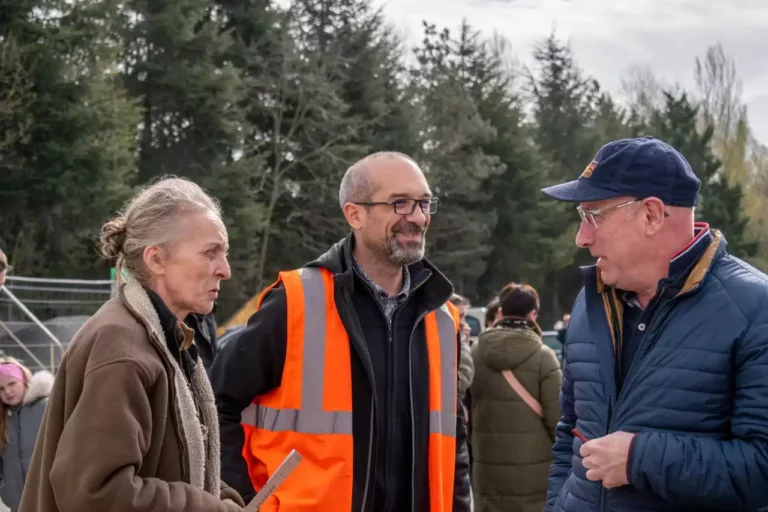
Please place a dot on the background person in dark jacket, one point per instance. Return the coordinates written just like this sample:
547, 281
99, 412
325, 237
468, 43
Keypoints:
665, 389
23, 397
205, 336
511, 443
383, 289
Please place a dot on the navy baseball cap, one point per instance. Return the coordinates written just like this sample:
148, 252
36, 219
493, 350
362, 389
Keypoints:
641, 167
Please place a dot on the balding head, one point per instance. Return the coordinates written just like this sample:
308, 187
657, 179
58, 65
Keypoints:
358, 185
387, 202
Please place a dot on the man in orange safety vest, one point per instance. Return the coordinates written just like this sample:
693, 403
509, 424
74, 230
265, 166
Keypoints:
352, 360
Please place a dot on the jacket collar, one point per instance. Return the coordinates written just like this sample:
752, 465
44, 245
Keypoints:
698, 273
436, 287
204, 465
514, 322
39, 386
177, 333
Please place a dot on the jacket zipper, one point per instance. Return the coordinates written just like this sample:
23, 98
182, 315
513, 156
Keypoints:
368, 471
638, 356
410, 393
390, 405
370, 453
618, 336
387, 498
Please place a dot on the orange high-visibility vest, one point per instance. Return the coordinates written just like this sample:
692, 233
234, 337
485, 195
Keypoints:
311, 411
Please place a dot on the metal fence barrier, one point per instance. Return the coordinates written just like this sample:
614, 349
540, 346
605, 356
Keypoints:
39, 316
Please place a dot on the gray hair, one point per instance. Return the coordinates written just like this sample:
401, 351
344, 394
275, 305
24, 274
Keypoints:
153, 217
459, 300
356, 185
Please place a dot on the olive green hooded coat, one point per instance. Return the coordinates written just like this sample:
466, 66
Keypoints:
511, 444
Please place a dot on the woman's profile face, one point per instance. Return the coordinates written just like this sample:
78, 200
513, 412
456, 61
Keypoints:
11, 390
188, 274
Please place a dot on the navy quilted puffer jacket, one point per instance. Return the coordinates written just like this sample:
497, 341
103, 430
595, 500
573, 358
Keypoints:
697, 395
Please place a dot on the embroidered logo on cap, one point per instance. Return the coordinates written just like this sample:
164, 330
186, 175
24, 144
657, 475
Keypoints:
590, 168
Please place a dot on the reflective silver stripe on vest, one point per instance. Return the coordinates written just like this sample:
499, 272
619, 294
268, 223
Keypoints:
302, 421
311, 418
444, 421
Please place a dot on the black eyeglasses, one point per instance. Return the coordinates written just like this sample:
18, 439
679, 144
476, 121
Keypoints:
408, 206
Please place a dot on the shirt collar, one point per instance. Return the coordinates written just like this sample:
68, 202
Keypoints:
378, 290
172, 329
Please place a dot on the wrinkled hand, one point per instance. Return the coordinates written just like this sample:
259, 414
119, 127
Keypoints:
605, 459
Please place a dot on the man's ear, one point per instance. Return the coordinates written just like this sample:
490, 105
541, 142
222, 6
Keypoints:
154, 259
355, 215
654, 213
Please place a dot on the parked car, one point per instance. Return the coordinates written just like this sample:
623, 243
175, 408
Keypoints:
476, 320
551, 340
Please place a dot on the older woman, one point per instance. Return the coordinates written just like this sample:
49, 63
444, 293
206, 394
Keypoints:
22, 402
131, 423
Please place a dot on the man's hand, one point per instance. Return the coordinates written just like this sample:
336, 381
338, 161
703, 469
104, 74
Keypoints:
606, 459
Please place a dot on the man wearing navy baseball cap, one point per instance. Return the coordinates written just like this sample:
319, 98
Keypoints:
665, 373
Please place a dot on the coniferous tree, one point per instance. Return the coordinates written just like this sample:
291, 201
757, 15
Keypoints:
719, 201
70, 162
567, 133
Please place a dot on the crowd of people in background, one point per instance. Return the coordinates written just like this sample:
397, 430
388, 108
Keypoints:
362, 360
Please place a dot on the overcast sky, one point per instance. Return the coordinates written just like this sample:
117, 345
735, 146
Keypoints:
610, 36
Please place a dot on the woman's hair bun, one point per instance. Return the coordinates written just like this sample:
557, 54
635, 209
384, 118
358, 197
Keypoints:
113, 238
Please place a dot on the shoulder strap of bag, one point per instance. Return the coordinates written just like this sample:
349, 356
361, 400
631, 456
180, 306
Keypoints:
523, 393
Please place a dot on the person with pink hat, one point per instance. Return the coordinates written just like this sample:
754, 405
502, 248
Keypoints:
23, 398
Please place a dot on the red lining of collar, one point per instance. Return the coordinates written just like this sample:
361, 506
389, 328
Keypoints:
703, 227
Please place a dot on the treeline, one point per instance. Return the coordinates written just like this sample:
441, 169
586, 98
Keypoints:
266, 106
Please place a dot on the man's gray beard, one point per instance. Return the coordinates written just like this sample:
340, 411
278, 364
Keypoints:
404, 255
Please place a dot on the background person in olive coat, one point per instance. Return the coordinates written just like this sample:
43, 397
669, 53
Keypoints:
512, 445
